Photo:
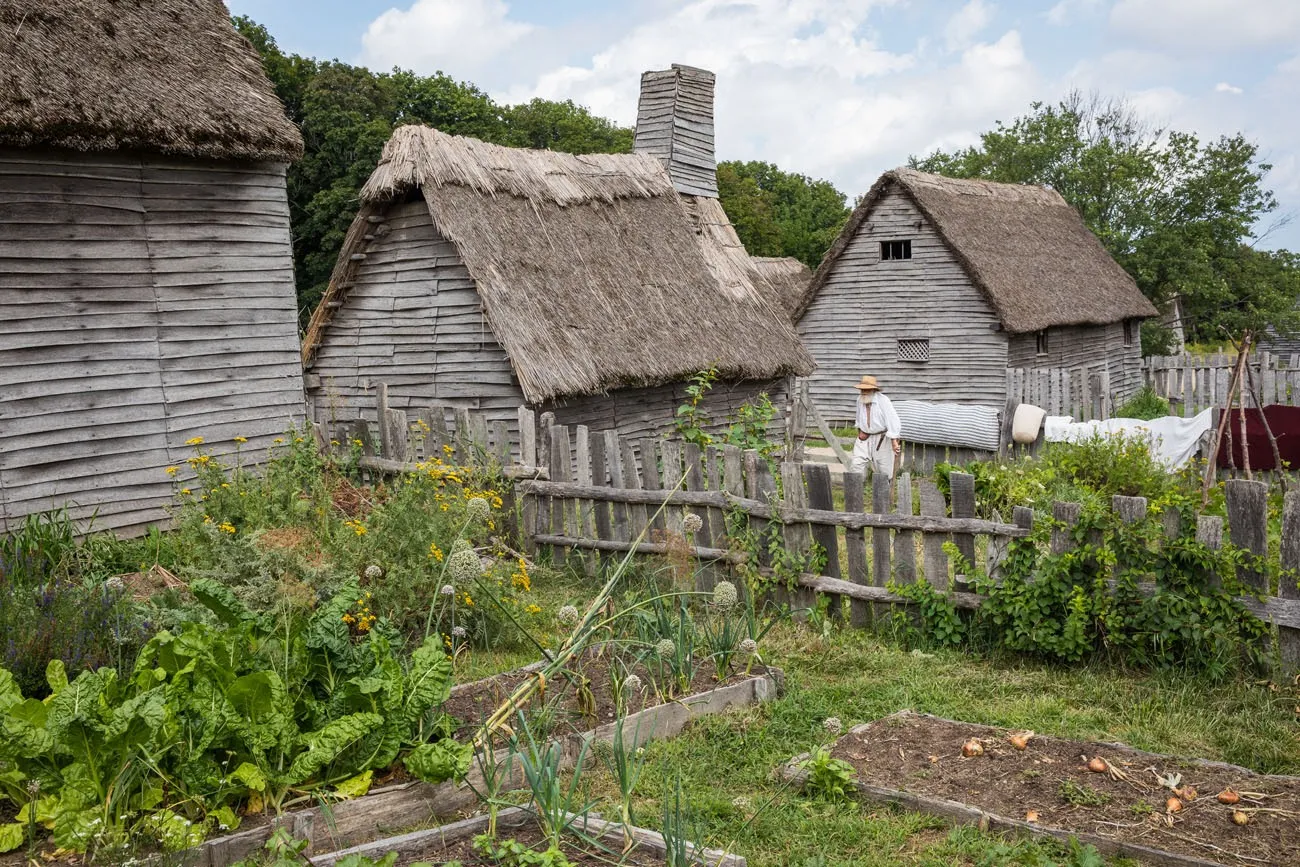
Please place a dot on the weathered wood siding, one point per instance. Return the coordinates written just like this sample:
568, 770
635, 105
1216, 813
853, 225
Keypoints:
867, 305
143, 301
637, 412
413, 319
1087, 347
674, 122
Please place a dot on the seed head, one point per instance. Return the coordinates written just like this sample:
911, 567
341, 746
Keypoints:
374, 573
692, 523
458, 631
447, 590
665, 647
568, 616
464, 566
833, 725
749, 646
725, 596
478, 508
632, 683
462, 545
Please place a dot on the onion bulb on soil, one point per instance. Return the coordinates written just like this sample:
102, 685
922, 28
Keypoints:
1173, 805
1228, 796
972, 748
1240, 818
1020, 741
1031, 816
1188, 793
1098, 765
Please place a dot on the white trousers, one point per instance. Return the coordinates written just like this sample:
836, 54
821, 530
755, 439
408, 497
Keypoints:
877, 452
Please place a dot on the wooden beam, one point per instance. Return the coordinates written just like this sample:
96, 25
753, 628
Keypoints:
758, 509
638, 547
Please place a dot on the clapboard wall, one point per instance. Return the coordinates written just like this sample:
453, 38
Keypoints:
143, 301
1087, 347
414, 321
867, 305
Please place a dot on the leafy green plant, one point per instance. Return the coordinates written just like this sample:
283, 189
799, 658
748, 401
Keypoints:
692, 424
1145, 404
752, 424
511, 853
683, 837
1081, 796
829, 778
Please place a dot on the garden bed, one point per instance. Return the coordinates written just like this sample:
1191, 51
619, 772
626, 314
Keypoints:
404, 804
916, 761
455, 842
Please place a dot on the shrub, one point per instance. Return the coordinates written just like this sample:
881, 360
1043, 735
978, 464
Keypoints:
1144, 405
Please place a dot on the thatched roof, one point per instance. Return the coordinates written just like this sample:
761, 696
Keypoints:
1023, 246
168, 76
593, 274
788, 276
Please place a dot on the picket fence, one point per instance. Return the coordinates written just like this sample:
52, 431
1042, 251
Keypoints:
1081, 392
1193, 383
582, 495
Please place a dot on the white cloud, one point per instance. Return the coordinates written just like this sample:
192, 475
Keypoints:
1224, 87
1067, 11
456, 36
969, 21
805, 84
1208, 25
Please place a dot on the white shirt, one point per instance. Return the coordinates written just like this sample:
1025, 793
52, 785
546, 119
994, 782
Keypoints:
884, 419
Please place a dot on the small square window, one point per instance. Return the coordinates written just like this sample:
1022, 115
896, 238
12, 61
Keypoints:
1041, 342
1130, 326
890, 250
914, 349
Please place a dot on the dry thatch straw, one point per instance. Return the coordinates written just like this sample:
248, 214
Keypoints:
594, 273
169, 76
788, 277
1029, 252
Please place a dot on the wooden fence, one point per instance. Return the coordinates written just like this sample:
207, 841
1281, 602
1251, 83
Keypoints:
1193, 383
1081, 392
584, 494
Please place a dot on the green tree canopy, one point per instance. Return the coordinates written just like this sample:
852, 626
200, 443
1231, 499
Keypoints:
1177, 213
779, 213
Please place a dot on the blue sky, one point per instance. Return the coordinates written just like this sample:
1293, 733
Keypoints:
844, 89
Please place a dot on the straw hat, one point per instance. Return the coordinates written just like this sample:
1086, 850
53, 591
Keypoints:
867, 383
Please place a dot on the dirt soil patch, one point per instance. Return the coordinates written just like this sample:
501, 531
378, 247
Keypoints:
583, 700
1050, 785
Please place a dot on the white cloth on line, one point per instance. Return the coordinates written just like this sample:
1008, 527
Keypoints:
1172, 440
950, 424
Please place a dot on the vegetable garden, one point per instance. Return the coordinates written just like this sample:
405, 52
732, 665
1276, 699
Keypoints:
319, 655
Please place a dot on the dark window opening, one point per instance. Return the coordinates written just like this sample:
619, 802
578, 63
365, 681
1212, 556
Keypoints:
1130, 326
1041, 342
914, 349
895, 250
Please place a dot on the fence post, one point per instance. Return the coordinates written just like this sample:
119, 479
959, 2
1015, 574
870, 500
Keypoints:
638, 516
586, 508
560, 469
855, 545
962, 489
1289, 638
798, 535
905, 540
1066, 516
527, 437
1248, 526
820, 496
936, 561
651, 480
614, 461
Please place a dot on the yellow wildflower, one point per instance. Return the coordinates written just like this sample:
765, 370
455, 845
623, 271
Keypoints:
468, 601
194, 441
185, 492
534, 609
241, 440
278, 441
447, 449
225, 484
435, 552
226, 527
171, 471
356, 527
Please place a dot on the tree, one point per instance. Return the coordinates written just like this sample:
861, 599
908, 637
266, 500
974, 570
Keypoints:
1178, 214
779, 213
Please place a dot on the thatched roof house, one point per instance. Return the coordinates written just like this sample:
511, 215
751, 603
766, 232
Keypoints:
488, 276
938, 286
145, 267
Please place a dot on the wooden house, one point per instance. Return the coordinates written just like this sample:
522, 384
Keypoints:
937, 286
594, 286
146, 280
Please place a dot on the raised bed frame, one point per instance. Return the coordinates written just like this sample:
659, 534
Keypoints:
959, 813
514, 817
407, 804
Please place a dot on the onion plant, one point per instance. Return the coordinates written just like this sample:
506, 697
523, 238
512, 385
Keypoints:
626, 762
557, 805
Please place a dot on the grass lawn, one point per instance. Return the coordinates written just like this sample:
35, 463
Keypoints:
726, 763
